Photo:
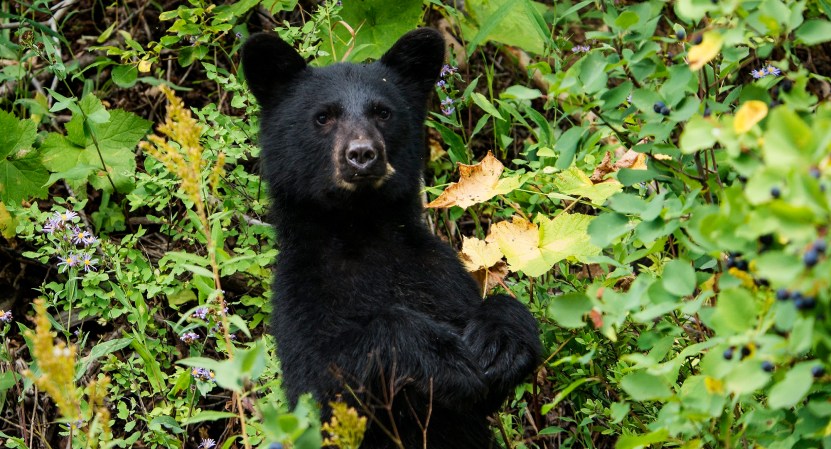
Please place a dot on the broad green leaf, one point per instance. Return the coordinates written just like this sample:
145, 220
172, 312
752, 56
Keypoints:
100, 350
93, 109
576, 183
814, 32
568, 309
378, 24
505, 21
735, 312
639, 441
699, 134
788, 141
208, 415
679, 278
22, 175
486, 105
125, 75
642, 386
792, 389
117, 140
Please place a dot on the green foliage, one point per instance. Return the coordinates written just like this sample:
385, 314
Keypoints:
667, 224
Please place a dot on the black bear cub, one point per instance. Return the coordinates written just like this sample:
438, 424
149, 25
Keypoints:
370, 308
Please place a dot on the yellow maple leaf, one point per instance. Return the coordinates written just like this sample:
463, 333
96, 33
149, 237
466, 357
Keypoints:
479, 254
477, 183
535, 249
704, 52
749, 114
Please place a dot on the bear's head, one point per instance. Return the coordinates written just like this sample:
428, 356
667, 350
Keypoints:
346, 133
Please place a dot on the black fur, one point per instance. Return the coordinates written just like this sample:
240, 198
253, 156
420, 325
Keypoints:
369, 306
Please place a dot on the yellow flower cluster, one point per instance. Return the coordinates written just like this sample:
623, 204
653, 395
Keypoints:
346, 428
56, 361
186, 162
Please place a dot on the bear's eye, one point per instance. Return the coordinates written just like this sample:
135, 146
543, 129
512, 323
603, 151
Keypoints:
382, 113
322, 118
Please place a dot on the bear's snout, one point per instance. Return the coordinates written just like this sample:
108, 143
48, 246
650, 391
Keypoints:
363, 161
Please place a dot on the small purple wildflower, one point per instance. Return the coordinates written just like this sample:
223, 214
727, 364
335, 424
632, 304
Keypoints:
5, 317
238, 35
203, 374
70, 261
200, 312
765, 71
52, 225
65, 216
86, 261
207, 443
580, 49
82, 237
447, 70
189, 337
441, 84
447, 106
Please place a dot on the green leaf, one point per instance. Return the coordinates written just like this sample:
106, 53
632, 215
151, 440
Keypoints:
679, 278
125, 75
814, 32
735, 312
576, 183
607, 227
566, 236
100, 350
639, 441
22, 175
626, 19
117, 140
94, 111
568, 309
642, 386
792, 389
697, 135
208, 415
486, 105
378, 24
508, 22
567, 146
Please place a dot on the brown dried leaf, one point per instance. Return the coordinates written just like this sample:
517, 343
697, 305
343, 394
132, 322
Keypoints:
477, 183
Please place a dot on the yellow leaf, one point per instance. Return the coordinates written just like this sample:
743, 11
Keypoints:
714, 386
633, 160
7, 222
749, 114
479, 254
704, 52
534, 250
477, 183
144, 66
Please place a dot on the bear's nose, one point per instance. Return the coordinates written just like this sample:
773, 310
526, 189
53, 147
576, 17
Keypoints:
361, 155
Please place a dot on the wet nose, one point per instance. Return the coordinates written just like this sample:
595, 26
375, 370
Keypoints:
361, 155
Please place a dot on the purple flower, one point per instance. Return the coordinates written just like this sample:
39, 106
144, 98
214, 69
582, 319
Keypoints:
238, 35
207, 443
447, 106
82, 237
757, 73
189, 337
203, 374
447, 70
52, 225
71, 260
200, 312
580, 49
86, 261
5, 317
771, 70
65, 216
441, 84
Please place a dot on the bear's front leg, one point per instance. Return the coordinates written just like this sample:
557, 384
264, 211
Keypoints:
504, 339
401, 347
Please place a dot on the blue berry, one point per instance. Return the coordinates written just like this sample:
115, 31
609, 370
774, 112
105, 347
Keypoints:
275, 446
728, 353
665, 110
820, 245
775, 192
681, 35
767, 365
707, 111
818, 371
658, 106
811, 257
745, 351
783, 294
697, 39
815, 173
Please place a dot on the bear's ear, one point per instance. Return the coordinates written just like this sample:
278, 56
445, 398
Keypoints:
417, 57
269, 63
